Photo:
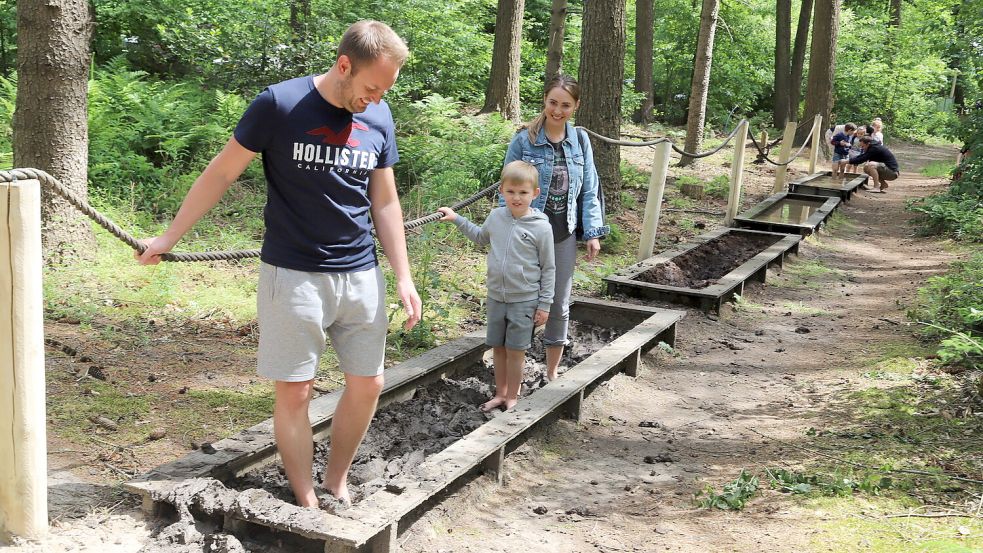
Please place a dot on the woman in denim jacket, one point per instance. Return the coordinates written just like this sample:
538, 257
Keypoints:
570, 196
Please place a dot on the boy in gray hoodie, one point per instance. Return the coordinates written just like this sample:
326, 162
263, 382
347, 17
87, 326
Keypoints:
520, 278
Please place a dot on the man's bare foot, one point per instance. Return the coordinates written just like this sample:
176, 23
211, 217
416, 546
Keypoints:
327, 501
493, 403
510, 403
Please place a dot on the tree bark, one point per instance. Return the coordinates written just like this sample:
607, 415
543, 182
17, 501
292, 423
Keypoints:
783, 76
51, 117
644, 26
502, 93
798, 59
895, 18
701, 79
602, 70
554, 51
822, 66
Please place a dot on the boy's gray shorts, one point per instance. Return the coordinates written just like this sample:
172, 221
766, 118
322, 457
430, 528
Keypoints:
298, 310
510, 324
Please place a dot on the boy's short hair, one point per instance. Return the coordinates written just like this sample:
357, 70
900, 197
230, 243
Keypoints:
520, 171
849, 127
367, 41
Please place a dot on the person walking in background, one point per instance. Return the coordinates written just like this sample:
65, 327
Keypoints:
328, 144
569, 194
520, 279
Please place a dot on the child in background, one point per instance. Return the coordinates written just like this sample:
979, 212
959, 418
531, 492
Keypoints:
855, 149
841, 148
520, 278
877, 136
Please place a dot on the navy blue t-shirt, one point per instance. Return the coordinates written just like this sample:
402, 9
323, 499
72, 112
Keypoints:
317, 158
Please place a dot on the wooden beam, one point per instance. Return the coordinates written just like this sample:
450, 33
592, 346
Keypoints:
736, 174
786, 152
653, 203
23, 449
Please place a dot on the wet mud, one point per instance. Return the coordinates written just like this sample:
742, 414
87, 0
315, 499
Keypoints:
707, 263
402, 435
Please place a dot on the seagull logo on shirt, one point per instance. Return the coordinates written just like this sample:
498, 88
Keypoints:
339, 138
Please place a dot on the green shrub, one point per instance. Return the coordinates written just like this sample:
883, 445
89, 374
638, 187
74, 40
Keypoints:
718, 187
951, 307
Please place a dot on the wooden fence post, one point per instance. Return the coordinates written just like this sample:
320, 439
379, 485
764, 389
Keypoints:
736, 174
783, 157
653, 203
817, 137
23, 462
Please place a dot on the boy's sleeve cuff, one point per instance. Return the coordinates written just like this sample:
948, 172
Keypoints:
545, 306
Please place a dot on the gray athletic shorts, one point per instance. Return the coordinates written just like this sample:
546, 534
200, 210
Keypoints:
510, 324
298, 310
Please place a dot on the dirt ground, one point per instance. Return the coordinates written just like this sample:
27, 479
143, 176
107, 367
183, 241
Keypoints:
741, 384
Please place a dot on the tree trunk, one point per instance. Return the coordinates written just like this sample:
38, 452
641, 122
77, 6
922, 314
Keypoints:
895, 19
602, 70
502, 93
554, 51
701, 79
783, 40
51, 117
644, 24
822, 66
798, 59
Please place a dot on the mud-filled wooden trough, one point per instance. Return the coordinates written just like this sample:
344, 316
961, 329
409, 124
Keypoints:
789, 213
823, 184
708, 271
213, 486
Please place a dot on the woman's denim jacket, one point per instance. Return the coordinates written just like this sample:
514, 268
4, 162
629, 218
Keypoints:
583, 175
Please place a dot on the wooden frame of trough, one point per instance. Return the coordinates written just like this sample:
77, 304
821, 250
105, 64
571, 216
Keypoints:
826, 206
373, 524
715, 295
802, 185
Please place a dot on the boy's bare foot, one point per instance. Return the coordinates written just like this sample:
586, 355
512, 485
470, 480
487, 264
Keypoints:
493, 403
327, 501
510, 403
551, 375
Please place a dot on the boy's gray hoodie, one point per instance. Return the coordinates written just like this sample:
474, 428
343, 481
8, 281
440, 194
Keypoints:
521, 265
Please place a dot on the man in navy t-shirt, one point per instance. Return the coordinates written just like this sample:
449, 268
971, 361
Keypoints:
328, 146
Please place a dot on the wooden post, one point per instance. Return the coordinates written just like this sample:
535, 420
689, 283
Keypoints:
23, 463
817, 129
787, 138
736, 174
763, 139
653, 203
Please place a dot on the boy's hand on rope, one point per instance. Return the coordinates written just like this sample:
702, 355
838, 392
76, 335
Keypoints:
155, 247
540, 317
412, 304
448, 213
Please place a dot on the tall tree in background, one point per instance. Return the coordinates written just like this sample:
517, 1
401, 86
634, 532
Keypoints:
822, 65
51, 117
554, 51
602, 70
798, 59
895, 19
783, 75
701, 79
502, 92
644, 36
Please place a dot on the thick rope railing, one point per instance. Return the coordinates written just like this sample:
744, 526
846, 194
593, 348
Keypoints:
51, 183
763, 155
675, 148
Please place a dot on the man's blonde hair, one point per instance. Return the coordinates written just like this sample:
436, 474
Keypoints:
368, 40
520, 171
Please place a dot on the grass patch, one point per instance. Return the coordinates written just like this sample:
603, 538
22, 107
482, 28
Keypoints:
938, 169
742, 304
860, 525
800, 308
69, 412
217, 414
